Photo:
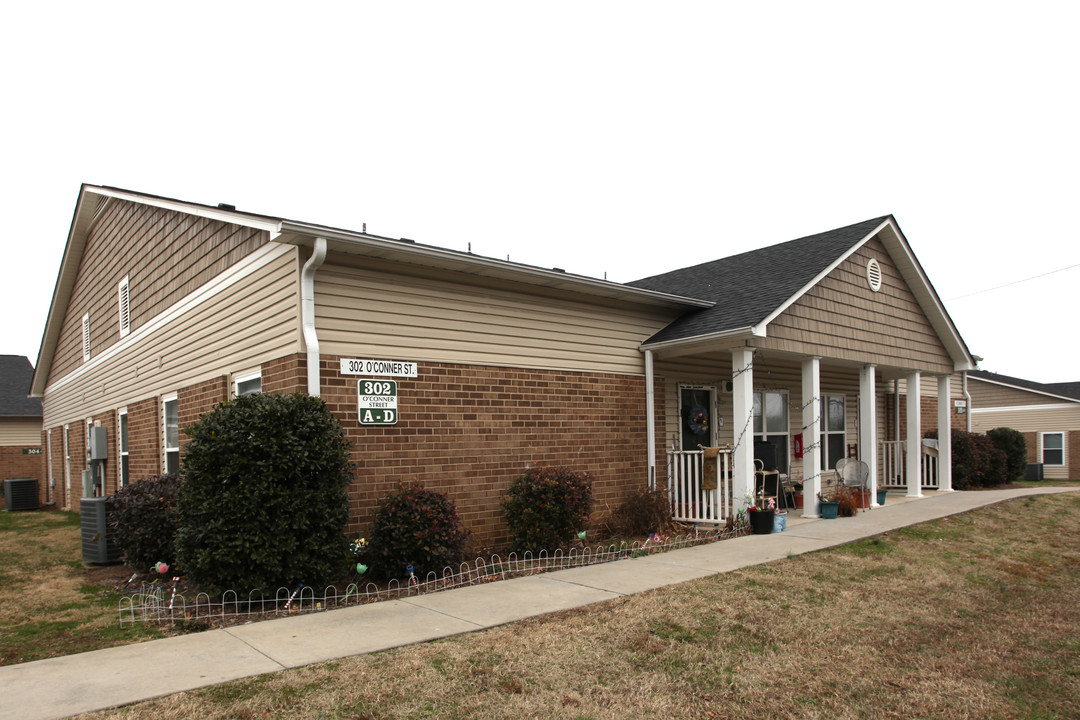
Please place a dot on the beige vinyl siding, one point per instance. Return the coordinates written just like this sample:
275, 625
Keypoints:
15, 432
387, 313
991, 395
842, 318
165, 254
1064, 418
249, 316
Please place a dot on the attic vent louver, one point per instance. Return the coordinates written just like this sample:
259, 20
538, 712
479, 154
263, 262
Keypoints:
873, 274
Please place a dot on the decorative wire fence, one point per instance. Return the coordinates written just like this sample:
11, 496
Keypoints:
157, 603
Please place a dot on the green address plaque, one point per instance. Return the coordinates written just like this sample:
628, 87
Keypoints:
377, 401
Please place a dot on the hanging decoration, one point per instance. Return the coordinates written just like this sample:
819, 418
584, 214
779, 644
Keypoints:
698, 419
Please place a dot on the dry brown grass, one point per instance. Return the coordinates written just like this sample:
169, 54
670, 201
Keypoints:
49, 603
974, 616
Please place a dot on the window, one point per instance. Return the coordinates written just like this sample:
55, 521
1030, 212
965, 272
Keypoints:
122, 441
696, 404
1053, 448
832, 430
125, 307
171, 430
771, 424
86, 337
249, 384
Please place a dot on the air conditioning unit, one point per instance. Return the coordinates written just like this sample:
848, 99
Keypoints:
98, 547
1034, 471
21, 494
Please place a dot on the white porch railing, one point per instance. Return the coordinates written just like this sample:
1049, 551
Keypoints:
689, 502
894, 467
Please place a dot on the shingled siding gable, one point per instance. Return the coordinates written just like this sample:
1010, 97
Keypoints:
992, 395
165, 255
842, 318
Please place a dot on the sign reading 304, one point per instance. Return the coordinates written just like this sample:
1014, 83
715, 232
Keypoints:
377, 402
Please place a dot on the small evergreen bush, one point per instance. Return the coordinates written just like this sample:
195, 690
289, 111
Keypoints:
546, 507
975, 461
263, 504
1012, 443
417, 527
143, 518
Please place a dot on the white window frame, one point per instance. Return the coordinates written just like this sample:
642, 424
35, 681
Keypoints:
122, 452
765, 434
86, 337
123, 294
828, 463
249, 377
1043, 448
166, 449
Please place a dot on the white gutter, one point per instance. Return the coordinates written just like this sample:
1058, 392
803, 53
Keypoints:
650, 419
307, 314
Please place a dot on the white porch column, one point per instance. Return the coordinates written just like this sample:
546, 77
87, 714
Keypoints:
868, 445
944, 423
811, 418
913, 454
742, 397
650, 420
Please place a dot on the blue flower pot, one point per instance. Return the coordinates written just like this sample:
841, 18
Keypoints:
829, 509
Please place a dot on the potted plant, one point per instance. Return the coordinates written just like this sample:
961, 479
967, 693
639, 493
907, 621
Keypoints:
762, 516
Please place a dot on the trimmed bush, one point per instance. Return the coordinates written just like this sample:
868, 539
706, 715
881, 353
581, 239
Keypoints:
143, 518
263, 504
1012, 443
417, 527
975, 461
546, 507
643, 512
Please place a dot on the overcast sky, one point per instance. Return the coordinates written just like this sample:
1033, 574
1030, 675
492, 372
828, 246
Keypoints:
616, 139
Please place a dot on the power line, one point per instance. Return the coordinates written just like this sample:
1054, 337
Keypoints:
1014, 282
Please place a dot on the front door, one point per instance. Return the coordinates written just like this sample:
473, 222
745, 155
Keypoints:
697, 416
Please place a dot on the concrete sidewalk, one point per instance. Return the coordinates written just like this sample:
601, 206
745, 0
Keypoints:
74, 684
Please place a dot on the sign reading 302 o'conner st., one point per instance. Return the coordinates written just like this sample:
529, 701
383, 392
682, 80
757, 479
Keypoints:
386, 368
377, 403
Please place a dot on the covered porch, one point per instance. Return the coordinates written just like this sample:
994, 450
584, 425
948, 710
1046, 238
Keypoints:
797, 417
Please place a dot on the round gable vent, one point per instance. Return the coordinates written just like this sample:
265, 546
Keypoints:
873, 274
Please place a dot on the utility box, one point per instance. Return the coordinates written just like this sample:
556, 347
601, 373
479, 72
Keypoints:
99, 444
98, 547
21, 494
1034, 471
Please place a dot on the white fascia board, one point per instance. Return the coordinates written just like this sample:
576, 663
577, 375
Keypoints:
220, 214
501, 268
752, 330
1023, 408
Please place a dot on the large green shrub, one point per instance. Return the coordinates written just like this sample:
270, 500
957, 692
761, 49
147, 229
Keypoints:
263, 504
546, 507
975, 461
417, 527
143, 518
1012, 443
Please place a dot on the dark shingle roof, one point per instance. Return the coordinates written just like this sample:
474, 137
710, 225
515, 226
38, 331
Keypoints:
747, 288
16, 372
1065, 389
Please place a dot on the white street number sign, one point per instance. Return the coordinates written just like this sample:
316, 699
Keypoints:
377, 402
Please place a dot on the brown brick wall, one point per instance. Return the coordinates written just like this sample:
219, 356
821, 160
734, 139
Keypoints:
928, 409
191, 402
287, 375
1072, 454
14, 464
144, 439
468, 431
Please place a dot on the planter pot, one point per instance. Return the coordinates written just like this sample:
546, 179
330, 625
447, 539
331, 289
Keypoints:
779, 522
762, 521
829, 509
863, 498
798, 501
881, 496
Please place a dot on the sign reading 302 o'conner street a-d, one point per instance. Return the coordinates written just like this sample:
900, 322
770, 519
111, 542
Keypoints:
386, 368
377, 402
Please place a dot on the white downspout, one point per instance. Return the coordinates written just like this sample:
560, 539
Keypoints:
307, 315
650, 418
967, 399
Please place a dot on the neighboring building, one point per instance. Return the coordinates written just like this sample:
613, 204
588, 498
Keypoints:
20, 424
164, 308
1047, 414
